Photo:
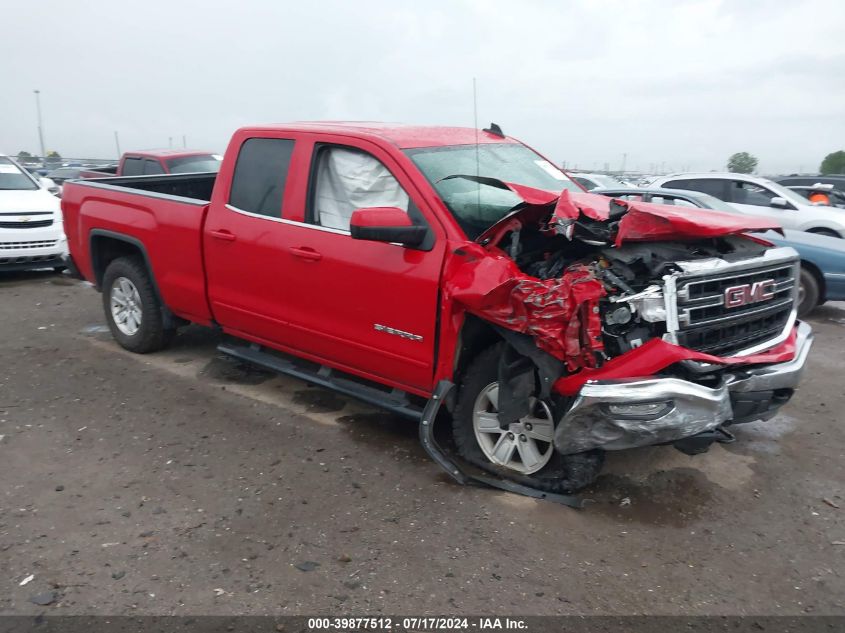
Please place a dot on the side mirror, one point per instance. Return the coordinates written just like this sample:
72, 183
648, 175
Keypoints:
780, 203
386, 224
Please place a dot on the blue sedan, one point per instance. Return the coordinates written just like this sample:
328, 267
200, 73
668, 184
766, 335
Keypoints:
822, 257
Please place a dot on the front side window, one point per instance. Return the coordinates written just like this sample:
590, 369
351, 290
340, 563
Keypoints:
478, 206
750, 193
347, 179
713, 186
133, 167
258, 184
12, 177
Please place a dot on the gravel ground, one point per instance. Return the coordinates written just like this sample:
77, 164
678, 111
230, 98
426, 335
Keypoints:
183, 483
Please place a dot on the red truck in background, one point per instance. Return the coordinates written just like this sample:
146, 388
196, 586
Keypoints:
158, 161
390, 262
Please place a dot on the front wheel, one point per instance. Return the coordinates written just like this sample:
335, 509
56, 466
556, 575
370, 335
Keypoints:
524, 451
133, 310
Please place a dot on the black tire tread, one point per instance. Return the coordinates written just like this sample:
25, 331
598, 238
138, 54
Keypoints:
152, 336
812, 292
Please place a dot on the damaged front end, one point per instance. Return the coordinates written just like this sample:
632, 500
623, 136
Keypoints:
645, 324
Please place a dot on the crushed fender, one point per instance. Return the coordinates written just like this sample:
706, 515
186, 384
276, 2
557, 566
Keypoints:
561, 314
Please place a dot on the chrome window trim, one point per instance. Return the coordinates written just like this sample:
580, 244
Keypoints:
252, 214
261, 216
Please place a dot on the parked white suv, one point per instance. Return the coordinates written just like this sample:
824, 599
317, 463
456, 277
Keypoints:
31, 231
758, 196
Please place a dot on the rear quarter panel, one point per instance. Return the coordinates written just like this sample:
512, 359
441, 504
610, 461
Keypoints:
169, 230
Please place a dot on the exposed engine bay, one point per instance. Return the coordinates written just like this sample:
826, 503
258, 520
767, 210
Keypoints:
632, 310
594, 296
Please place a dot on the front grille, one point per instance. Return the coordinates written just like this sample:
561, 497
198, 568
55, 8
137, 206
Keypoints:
13, 246
31, 259
32, 224
707, 325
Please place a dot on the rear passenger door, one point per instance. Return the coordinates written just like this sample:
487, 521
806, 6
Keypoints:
245, 244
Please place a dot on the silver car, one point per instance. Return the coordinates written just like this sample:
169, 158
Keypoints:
753, 195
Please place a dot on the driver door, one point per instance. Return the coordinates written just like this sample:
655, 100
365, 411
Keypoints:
371, 307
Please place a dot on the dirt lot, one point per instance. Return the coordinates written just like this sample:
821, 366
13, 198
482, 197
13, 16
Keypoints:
182, 483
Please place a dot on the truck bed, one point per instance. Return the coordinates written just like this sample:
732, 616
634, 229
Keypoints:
191, 186
162, 215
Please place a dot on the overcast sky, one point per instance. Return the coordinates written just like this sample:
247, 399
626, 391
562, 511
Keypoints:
677, 84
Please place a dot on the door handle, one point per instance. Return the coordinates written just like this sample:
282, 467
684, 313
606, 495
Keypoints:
304, 252
222, 235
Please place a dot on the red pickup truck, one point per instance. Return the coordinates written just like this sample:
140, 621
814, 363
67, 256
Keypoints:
158, 161
387, 261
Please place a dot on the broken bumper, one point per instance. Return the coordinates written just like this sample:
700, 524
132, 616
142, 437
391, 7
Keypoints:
616, 415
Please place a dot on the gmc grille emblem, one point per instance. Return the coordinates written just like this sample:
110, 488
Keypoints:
745, 294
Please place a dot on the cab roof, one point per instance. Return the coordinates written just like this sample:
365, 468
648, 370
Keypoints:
401, 135
167, 153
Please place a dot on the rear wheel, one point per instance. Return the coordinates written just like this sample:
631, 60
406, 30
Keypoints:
524, 451
808, 292
133, 310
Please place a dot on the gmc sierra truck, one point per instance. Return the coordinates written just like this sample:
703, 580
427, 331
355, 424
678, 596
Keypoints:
386, 261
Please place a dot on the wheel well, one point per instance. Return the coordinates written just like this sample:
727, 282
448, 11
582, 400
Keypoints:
105, 249
820, 230
817, 273
476, 336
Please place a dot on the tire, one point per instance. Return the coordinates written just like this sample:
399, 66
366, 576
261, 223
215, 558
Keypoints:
126, 282
557, 473
825, 232
808, 293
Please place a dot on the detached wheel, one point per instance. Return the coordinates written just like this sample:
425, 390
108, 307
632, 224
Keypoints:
132, 308
524, 452
808, 292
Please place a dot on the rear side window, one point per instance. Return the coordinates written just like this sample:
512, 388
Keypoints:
714, 186
258, 185
152, 167
133, 167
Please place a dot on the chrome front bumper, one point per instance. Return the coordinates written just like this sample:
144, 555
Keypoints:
616, 415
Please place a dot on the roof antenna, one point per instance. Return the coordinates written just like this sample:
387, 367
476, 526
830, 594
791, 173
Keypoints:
477, 161
495, 130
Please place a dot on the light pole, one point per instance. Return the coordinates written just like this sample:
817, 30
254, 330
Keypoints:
40, 129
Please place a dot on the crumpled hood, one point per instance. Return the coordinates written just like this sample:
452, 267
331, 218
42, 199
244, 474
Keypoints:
639, 221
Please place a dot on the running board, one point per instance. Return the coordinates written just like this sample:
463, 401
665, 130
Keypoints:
395, 401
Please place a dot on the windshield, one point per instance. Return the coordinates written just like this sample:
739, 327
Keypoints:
478, 206
13, 177
194, 164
